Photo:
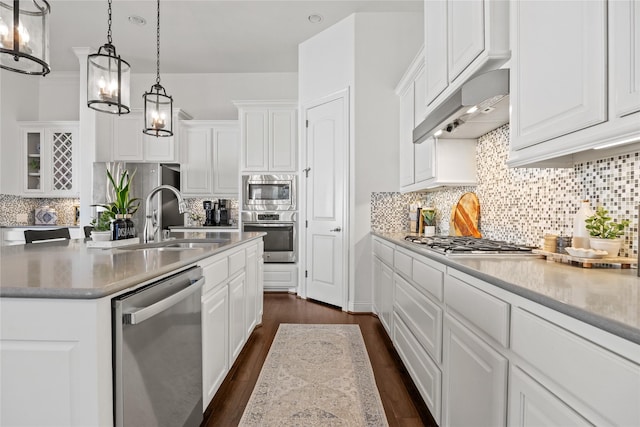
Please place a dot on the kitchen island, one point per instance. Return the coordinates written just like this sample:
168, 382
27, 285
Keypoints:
511, 339
56, 328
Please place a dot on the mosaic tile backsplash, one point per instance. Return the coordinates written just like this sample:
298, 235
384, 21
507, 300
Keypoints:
520, 205
10, 206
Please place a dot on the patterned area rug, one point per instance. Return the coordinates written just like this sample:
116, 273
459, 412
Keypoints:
316, 375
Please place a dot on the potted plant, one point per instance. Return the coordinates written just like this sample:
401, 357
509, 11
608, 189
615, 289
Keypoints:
101, 227
429, 217
604, 232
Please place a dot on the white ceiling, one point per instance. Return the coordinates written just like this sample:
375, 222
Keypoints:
201, 36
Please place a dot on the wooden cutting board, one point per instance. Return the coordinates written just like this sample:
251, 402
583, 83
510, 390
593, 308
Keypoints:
465, 216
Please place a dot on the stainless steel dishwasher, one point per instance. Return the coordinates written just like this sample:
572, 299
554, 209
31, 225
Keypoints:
157, 353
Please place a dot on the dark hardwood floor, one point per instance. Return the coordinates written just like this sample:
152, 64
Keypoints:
402, 402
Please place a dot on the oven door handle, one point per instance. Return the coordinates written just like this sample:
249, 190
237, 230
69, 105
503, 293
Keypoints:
142, 314
263, 224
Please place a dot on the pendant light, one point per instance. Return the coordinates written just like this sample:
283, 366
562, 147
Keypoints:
24, 36
108, 78
158, 106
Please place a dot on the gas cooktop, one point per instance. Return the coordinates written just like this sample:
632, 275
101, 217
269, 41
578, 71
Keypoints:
456, 245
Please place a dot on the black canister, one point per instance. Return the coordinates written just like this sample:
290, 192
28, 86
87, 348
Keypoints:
130, 226
562, 243
119, 228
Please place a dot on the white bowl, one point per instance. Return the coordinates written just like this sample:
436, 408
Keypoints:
586, 253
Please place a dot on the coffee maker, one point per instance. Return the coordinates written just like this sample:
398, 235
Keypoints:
209, 211
222, 215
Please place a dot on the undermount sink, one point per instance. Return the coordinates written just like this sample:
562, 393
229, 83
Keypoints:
177, 245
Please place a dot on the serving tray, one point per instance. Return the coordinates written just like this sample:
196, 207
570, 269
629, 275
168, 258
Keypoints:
584, 262
112, 243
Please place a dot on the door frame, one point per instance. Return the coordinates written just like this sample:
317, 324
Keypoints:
344, 95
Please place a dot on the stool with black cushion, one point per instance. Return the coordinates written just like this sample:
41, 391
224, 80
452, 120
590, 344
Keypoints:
35, 236
87, 230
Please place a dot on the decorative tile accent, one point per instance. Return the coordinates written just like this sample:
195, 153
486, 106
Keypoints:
520, 205
11, 205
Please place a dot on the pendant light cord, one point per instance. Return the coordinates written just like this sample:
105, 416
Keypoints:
158, 46
109, 24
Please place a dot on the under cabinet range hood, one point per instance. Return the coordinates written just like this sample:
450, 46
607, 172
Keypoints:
479, 106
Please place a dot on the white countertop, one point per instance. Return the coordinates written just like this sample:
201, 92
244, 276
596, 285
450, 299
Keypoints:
69, 269
605, 298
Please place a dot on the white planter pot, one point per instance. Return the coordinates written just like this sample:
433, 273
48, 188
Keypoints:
612, 246
101, 236
429, 230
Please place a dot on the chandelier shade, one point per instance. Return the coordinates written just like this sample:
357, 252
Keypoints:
24, 36
158, 106
108, 79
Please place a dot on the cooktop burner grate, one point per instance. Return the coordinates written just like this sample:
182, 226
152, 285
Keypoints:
468, 245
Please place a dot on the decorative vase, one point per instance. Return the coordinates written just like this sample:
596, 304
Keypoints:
101, 236
612, 246
429, 230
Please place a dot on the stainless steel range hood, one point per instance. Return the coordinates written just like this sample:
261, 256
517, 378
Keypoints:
455, 118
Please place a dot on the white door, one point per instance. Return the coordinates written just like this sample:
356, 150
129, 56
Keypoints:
326, 162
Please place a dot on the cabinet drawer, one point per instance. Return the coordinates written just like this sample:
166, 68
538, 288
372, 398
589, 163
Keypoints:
428, 278
597, 378
484, 311
215, 273
422, 369
402, 263
383, 251
422, 317
236, 262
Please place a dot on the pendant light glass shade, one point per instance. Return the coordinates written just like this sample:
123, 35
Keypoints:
158, 106
158, 112
108, 79
24, 36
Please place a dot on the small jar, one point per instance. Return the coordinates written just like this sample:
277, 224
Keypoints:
130, 226
550, 243
563, 243
119, 228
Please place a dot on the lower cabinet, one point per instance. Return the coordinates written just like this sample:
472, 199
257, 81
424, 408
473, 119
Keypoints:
475, 379
237, 288
280, 277
215, 341
532, 405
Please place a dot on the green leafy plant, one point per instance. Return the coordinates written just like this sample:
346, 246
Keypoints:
429, 215
34, 164
602, 226
123, 203
102, 222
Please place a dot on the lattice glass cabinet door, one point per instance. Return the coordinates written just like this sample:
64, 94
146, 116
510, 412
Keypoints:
62, 161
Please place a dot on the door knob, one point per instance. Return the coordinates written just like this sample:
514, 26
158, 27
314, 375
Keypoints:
336, 229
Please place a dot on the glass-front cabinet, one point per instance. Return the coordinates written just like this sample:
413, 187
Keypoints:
49, 159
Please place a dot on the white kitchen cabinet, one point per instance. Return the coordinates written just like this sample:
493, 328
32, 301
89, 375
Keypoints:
49, 159
280, 277
434, 162
532, 405
268, 134
209, 163
475, 379
260, 296
237, 331
574, 86
120, 138
383, 286
215, 340
462, 39
251, 297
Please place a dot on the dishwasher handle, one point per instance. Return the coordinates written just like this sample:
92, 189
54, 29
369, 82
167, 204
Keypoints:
142, 314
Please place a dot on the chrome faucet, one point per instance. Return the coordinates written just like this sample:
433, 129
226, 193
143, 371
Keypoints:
150, 222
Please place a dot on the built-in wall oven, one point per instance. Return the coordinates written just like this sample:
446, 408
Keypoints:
269, 192
280, 243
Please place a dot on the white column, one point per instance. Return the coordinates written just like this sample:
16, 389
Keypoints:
87, 141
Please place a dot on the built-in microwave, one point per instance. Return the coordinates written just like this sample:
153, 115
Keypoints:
269, 192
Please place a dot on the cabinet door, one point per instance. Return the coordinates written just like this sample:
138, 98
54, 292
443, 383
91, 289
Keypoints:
62, 156
236, 316
624, 24
215, 341
255, 140
531, 405
34, 155
196, 158
159, 149
406, 137
282, 140
386, 296
425, 160
226, 161
260, 307
435, 48
475, 379
465, 33
558, 78
251, 280
127, 138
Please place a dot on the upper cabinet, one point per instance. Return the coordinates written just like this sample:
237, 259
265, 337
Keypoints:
434, 162
49, 159
268, 134
120, 138
210, 158
462, 38
575, 85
